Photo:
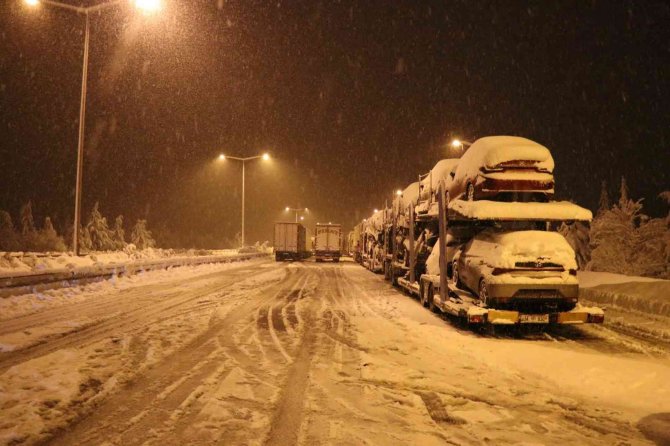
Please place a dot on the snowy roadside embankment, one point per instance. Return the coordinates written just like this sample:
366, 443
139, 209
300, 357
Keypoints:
642, 294
25, 269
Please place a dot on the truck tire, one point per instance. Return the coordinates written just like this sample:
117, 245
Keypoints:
424, 295
431, 299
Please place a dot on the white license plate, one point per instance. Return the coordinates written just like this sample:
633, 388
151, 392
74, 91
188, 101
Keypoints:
534, 318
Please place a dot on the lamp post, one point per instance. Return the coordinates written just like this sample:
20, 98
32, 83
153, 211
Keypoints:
144, 5
296, 210
264, 157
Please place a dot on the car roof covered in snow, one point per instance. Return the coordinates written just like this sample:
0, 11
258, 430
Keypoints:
440, 171
493, 150
409, 195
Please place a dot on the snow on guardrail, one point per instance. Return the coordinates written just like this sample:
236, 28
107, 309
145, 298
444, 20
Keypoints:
104, 265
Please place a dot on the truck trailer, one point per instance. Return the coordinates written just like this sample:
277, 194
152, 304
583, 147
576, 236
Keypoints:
328, 242
290, 241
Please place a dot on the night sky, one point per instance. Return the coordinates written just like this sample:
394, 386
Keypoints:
353, 100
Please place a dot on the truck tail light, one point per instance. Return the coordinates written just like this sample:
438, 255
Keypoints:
476, 319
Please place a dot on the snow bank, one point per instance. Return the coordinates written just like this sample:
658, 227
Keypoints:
588, 279
19, 263
504, 249
647, 296
493, 150
494, 210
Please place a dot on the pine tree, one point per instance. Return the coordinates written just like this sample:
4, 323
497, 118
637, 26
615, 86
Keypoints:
626, 241
27, 221
85, 243
48, 239
9, 239
141, 236
577, 234
119, 234
604, 202
28, 240
623, 192
98, 229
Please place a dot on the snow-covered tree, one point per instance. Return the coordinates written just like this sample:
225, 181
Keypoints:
604, 202
85, 243
577, 234
48, 239
626, 241
141, 236
98, 229
119, 234
623, 192
9, 239
27, 221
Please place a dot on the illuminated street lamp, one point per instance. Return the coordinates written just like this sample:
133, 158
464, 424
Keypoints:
457, 143
398, 192
264, 157
296, 210
147, 6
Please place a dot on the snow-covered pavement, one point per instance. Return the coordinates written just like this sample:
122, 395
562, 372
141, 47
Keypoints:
272, 353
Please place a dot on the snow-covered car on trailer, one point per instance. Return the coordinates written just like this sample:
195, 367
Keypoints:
429, 185
528, 271
504, 167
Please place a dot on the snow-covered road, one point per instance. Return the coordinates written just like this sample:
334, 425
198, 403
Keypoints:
272, 353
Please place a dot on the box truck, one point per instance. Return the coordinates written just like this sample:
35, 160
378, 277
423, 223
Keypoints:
328, 242
290, 241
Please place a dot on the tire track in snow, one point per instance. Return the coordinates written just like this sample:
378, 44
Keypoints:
141, 410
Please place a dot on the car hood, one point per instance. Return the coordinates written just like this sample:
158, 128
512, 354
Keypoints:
504, 249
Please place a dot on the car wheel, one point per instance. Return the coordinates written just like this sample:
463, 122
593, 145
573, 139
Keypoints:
483, 292
471, 192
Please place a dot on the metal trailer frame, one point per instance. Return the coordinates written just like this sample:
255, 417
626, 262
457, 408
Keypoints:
440, 294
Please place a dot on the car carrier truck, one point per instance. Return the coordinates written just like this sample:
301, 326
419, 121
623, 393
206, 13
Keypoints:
525, 301
328, 242
290, 241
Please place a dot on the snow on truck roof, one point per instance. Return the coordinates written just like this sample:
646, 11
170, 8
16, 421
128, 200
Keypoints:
496, 210
493, 150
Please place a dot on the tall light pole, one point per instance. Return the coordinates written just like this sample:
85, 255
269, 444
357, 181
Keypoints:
264, 157
148, 6
296, 210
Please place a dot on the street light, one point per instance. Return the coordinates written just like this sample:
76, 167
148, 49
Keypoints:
144, 5
296, 210
264, 157
398, 192
457, 143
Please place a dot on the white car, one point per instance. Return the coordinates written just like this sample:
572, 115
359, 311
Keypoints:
504, 166
529, 271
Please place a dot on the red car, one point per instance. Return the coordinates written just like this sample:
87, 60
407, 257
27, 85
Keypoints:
505, 168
